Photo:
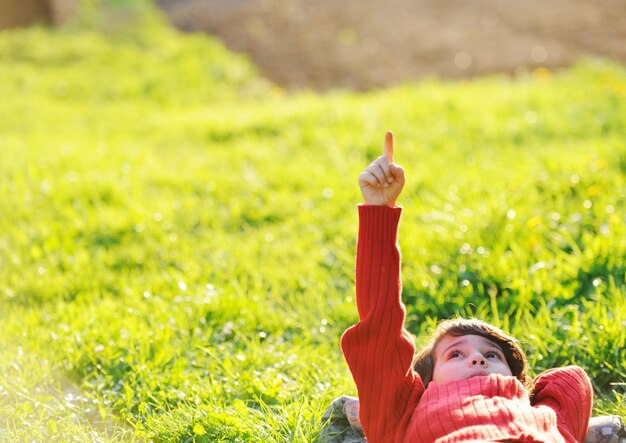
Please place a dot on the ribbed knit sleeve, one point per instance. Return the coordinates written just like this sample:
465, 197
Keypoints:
569, 393
378, 349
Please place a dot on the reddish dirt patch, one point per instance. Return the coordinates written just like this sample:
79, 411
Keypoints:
358, 44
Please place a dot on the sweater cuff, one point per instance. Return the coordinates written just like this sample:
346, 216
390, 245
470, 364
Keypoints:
379, 222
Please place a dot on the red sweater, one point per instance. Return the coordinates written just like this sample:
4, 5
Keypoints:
394, 404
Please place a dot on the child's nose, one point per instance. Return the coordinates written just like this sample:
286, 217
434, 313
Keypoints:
477, 359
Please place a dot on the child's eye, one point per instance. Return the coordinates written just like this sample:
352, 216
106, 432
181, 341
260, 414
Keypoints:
454, 354
492, 354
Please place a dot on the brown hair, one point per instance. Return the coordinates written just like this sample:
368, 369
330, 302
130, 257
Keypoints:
424, 360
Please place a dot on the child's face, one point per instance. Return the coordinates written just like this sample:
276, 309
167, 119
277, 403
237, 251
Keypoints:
467, 356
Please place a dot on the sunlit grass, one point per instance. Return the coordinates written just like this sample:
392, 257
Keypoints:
178, 235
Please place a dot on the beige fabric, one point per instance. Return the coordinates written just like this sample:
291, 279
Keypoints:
606, 429
341, 422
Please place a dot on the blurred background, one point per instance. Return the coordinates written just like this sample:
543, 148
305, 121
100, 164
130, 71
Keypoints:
356, 44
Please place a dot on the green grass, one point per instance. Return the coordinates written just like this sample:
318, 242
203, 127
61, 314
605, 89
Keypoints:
176, 257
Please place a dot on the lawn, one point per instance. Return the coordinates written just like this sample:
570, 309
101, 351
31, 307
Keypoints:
178, 234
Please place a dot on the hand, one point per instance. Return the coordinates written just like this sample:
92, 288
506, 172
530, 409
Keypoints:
381, 183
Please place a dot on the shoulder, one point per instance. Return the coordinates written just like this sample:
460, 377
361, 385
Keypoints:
569, 393
563, 381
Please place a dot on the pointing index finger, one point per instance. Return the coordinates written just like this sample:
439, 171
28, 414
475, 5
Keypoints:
388, 147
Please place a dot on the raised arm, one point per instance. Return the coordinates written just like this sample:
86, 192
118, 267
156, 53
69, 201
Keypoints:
381, 184
378, 349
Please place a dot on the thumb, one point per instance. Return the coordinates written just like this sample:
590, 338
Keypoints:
397, 172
